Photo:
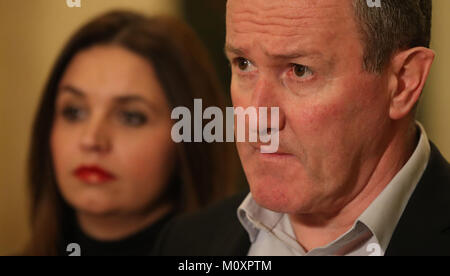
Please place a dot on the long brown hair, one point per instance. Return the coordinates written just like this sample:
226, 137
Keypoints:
205, 171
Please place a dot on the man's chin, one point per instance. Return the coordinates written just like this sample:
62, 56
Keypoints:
279, 197
270, 196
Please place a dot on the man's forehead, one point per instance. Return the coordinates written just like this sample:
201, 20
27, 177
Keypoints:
286, 27
290, 9
286, 17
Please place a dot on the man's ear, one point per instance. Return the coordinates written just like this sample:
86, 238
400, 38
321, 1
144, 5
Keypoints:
410, 69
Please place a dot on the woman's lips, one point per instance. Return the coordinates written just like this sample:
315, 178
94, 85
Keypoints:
93, 174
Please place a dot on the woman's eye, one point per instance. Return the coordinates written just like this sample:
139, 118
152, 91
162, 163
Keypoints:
132, 118
301, 71
73, 113
243, 64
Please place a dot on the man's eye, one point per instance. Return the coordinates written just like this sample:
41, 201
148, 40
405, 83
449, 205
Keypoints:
301, 71
132, 118
73, 113
243, 64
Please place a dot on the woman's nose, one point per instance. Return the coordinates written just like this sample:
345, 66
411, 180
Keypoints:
95, 137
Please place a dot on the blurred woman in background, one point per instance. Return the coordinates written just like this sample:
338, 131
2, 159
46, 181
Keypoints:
103, 170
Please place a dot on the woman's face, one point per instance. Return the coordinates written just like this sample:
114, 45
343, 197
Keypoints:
110, 142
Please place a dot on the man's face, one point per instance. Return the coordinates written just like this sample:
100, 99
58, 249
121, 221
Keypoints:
305, 57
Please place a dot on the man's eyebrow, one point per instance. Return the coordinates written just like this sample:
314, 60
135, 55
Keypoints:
230, 49
292, 55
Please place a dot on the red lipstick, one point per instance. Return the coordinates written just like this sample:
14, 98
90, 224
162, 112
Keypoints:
93, 174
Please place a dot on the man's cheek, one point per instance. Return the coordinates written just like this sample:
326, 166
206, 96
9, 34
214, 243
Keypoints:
318, 118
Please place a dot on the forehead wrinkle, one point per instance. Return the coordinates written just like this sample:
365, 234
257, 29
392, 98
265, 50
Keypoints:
286, 20
275, 25
290, 7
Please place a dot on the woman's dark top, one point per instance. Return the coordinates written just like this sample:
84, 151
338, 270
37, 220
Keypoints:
139, 244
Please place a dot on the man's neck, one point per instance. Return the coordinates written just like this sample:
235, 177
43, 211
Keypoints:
317, 230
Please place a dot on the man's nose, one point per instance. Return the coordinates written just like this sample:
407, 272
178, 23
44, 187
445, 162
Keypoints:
267, 94
95, 137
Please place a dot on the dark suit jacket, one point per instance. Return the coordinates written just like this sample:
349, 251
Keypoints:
423, 229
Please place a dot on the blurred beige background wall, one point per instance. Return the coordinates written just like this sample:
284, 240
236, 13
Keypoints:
32, 33
434, 110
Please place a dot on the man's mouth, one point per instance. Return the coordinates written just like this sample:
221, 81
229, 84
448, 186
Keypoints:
279, 154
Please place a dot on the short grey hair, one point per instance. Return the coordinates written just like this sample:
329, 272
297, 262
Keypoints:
396, 25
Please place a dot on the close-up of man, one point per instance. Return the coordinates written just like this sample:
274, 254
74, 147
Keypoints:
355, 173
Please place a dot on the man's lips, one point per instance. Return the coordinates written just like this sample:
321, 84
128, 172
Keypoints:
276, 156
257, 147
281, 153
93, 174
